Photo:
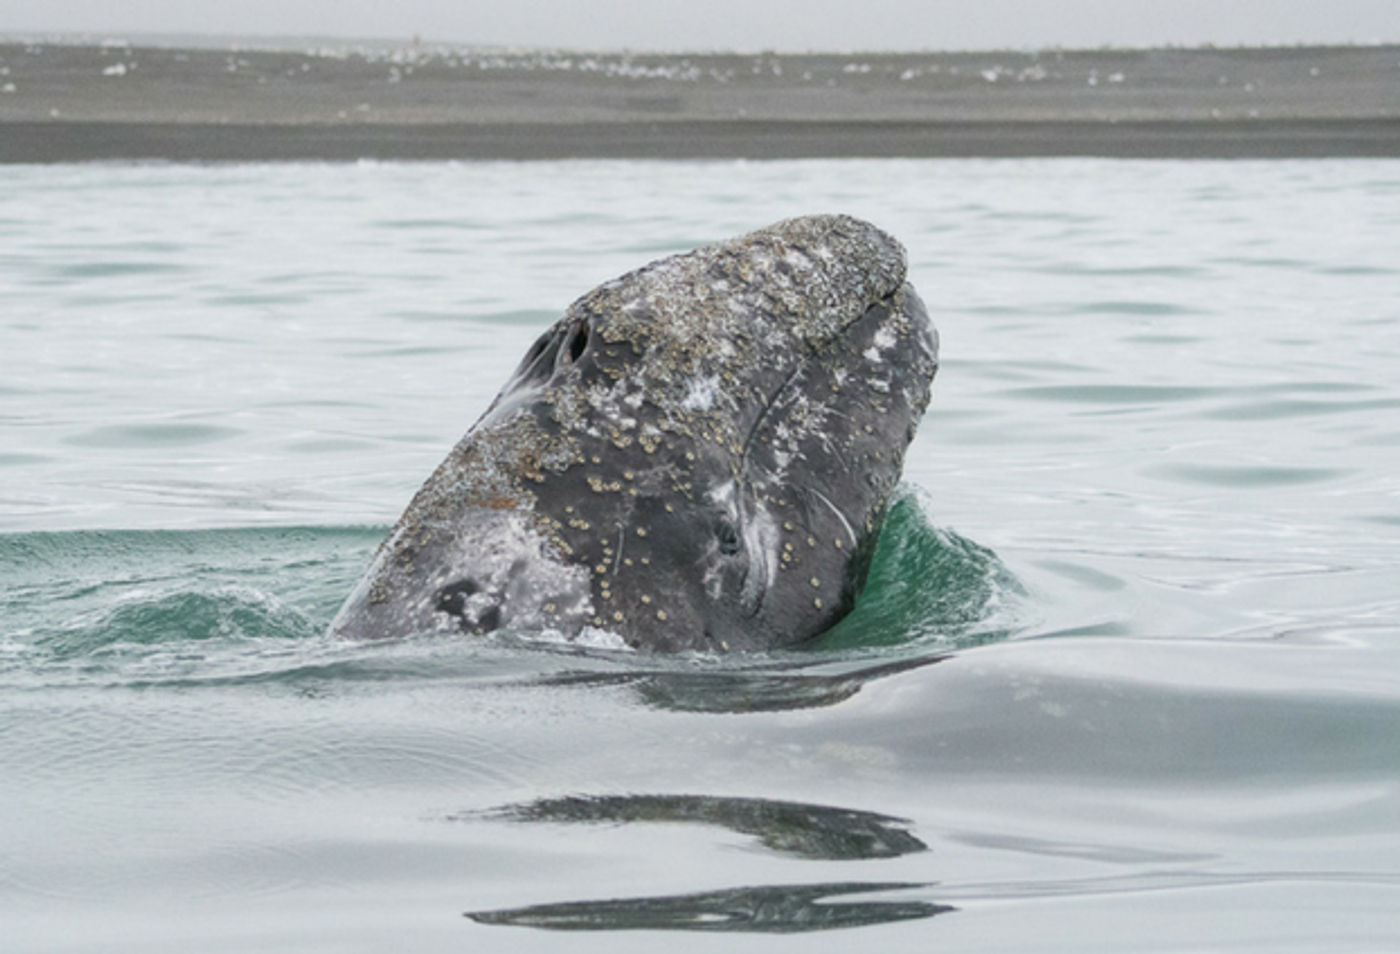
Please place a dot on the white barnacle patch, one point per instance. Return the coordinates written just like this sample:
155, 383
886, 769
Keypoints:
882, 342
701, 393
722, 495
782, 448
603, 411
798, 260
515, 570
762, 539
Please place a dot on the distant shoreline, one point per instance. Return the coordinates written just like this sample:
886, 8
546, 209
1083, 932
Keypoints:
196, 142
301, 42
63, 103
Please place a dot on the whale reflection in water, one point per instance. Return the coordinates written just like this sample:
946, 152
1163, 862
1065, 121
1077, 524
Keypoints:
770, 909
810, 831
816, 832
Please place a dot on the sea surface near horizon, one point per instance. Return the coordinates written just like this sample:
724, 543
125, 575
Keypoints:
1126, 677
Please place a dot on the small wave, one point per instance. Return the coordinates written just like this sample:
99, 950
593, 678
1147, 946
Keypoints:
519, 317
928, 585
115, 602
156, 434
1282, 408
1115, 395
117, 269
183, 616
1261, 476
1151, 308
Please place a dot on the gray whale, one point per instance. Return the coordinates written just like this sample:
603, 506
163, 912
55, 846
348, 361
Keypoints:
696, 456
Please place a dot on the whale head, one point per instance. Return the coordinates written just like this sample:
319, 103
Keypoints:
697, 455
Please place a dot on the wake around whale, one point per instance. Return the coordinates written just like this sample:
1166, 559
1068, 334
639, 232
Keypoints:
696, 456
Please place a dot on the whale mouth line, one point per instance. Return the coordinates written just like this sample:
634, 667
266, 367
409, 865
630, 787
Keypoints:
811, 352
762, 416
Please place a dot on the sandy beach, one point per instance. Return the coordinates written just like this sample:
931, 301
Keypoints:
68, 102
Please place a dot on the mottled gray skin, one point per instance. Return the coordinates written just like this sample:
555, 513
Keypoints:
697, 456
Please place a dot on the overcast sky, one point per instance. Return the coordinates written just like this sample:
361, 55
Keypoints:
737, 24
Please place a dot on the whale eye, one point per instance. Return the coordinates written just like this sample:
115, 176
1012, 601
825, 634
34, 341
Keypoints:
728, 538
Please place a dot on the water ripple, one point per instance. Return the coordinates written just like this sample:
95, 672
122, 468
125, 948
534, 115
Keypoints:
1114, 394
117, 436
1246, 477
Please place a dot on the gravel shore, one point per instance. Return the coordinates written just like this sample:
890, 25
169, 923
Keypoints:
71, 102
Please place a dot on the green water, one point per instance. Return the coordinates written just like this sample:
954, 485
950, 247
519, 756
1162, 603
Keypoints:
1124, 676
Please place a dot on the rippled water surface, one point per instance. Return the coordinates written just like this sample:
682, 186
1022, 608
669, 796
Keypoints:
1126, 675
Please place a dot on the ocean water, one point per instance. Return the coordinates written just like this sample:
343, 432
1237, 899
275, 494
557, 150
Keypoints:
1126, 675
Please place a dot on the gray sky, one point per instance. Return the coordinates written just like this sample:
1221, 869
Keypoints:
736, 24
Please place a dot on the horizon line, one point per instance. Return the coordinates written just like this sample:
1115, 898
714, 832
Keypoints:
281, 43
